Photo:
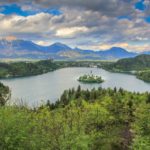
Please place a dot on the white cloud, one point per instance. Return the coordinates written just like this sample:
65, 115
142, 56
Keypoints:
130, 47
69, 32
44, 43
93, 26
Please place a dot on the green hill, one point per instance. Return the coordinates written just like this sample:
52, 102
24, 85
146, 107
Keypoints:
144, 75
141, 62
139, 65
20, 69
102, 119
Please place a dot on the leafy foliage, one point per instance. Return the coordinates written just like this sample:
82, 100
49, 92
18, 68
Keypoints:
141, 62
90, 79
4, 94
144, 75
19, 69
140, 66
81, 119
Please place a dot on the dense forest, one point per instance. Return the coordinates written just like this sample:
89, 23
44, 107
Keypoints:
139, 65
20, 69
102, 119
144, 75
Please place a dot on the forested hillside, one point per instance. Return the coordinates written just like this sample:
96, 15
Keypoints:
18, 69
107, 119
139, 65
141, 62
144, 75
28, 68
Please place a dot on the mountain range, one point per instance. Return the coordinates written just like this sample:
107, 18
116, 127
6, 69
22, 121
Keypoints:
58, 51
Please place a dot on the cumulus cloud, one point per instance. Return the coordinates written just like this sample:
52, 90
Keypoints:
89, 24
147, 4
10, 38
105, 7
69, 32
129, 46
5, 2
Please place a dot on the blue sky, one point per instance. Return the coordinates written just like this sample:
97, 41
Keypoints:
106, 23
140, 5
16, 9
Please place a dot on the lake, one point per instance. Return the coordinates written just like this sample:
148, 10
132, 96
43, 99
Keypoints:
36, 89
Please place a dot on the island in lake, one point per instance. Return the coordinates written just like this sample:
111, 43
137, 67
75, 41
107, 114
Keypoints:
90, 79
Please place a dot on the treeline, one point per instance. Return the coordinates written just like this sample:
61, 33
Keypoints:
126, 125
139, 66
107, 119
144, 75
21, 69
138, 63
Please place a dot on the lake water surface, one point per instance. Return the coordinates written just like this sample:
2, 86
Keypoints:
33, 90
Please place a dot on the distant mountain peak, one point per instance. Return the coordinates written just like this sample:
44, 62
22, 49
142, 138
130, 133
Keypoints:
58, 44
118, 49
18, 48
57, 47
